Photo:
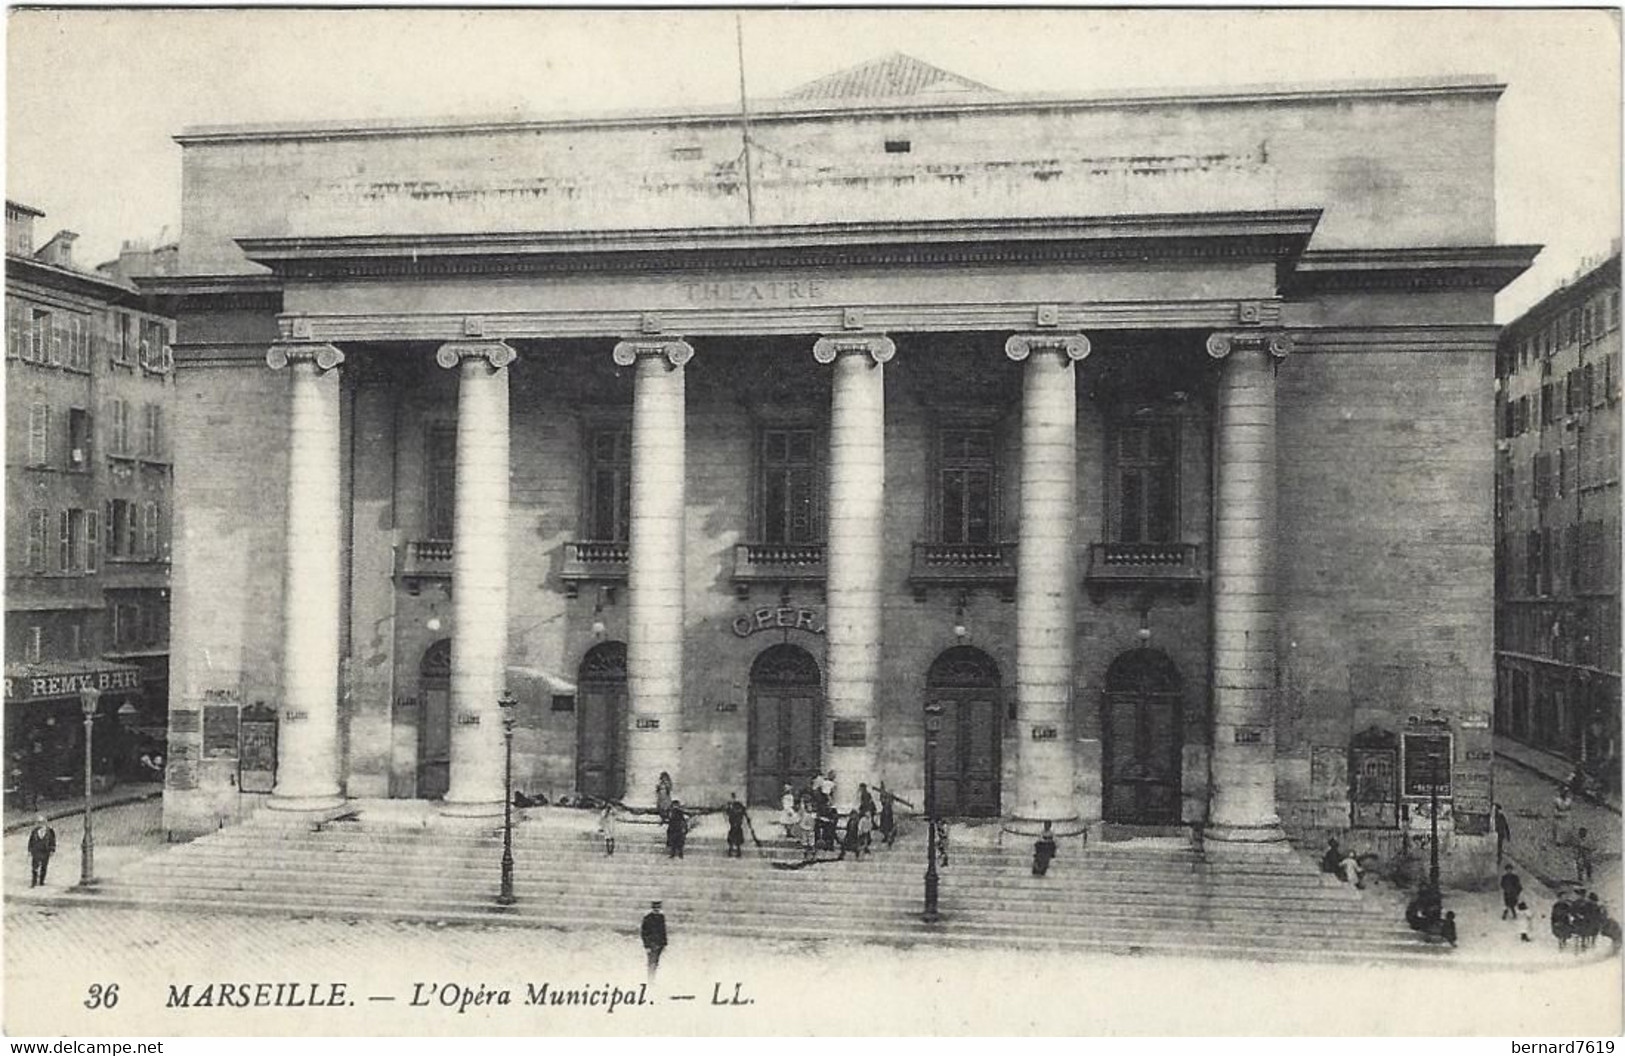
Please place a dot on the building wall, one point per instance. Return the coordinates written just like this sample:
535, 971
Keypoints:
1391, 168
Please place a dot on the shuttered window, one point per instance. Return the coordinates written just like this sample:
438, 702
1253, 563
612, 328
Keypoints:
39, 434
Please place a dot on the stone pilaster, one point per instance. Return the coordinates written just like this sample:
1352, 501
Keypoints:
479, 575
855, 537
1046, 579
1242, 805
654, 646
308, 739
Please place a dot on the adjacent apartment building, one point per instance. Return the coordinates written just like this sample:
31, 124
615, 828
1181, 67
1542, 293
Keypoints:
89, 384
1557, 514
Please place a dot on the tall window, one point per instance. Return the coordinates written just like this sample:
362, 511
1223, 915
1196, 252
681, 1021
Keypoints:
609, 484
123, 528
152, 431
36, 641
1146, 469
790, 469
39, 336
71, 541
124, 346
965, 485
79, 434
440, 482
118, 427
39, 434
38, 523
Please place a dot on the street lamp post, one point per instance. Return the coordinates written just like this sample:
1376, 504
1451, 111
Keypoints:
505, 897
1433, 808
88, 699
933, 725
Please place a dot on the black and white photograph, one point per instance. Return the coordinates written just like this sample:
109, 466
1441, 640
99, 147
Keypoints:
789, 521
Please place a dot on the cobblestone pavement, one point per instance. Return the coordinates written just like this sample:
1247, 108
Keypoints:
123, 834
1538, 849
54, 956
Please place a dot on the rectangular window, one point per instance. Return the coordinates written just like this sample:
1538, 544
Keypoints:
1147, 476
16, 328
79, 435
126, 626
1531, 563
124, 347
76, 647
1562, 471
39, 434
93, 539
149, 531
440, 482
790, 486
122, 529
152, 431
36, 643
609, 484
118, 429
152, 626
71, 541
1546, 415
966, 468
38, 525
1509, 427
39, 336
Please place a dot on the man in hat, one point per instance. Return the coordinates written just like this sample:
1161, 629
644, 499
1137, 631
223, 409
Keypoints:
41, 845
676, 829
654, 936
1511, 893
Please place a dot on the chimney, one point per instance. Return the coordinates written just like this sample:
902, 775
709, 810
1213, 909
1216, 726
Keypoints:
59, 250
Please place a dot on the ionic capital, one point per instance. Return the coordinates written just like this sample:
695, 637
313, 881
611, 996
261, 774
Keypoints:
673, 350
497, 354
325, 356
877, 347
1074, 347
1276, 342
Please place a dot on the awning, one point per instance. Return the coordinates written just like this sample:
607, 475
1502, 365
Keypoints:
64, 679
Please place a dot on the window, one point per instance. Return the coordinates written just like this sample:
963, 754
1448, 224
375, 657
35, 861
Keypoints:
76, 647
1562, 471
152, 431
118, 431
440, 482
126, 626
150, 517
1597, 381
16, 328
609, 484
1509, 427
1546, 413
1146, 474
155, 353
79, 435
898, 146
124, 346
1531, 563
965, 485
37, 524
39, 336
36, 641
71, 541
39, 434
1585, 325
152, 625
93, 539
790, 486
122, 529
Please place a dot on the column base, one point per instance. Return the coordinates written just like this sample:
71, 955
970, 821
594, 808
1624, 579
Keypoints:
487, 809
1034, 827
1245, 835
303, 804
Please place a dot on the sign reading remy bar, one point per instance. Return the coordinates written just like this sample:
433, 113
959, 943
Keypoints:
23, 686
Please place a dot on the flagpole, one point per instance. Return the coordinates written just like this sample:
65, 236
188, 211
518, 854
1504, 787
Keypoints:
744, 121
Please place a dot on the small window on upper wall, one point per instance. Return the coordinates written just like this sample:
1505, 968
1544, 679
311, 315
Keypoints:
899, 146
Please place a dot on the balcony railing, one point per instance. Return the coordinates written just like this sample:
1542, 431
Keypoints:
593, 561
1143, 565
963, 565
423, 559
777, 563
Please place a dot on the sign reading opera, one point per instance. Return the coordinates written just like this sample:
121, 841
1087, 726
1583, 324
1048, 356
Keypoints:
1155, 480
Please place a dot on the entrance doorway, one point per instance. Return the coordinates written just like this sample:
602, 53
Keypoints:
434, 720
786, 719
1143, 740
964, 682
601, 722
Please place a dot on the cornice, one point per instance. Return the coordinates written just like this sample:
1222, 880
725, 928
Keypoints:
213, 291
1467, 337
1488, 268
56, 277
1275, 235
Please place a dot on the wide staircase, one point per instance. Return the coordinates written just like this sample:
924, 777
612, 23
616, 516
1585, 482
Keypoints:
1136, 896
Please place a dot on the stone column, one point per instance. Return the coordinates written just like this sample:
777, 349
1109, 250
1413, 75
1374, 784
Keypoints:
479, 575
307, 776
1046, 579
855, 537
1242, 805
654, 645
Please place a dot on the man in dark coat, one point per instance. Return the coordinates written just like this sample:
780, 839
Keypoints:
1503, 833
1511, 890
41, 845
676, 830
654, 936
735, 812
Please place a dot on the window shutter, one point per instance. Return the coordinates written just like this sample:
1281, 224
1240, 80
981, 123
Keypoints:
149, 532
36, 540
64, 555
38, 426
16, 335
93, 539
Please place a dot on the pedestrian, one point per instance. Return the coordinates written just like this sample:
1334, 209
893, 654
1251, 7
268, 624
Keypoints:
1584, 852
1044, 850
1349, 869
1526, 922
654, 936
852, 840
676, 829
1588, 914
1447, 928
828, 823
606, 827
41, 845
1609, 929
866, 803
1562, 921
663, 798
788, 816
809, 832
1503, 833
1332, 860
1511, 892
735, 812
888, 816
1562, 806
827, 786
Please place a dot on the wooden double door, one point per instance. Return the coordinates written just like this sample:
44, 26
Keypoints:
966, 706
786, 723
1144, 741
601, 723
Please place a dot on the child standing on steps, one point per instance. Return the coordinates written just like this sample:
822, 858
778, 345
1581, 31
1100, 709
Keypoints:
606, 827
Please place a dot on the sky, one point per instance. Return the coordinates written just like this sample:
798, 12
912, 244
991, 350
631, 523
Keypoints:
93, 97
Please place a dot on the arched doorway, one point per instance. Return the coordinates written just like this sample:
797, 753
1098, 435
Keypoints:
786, 720
1143, 739
964, 682
434, 720
601, 722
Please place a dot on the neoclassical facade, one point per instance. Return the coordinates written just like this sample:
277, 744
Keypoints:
1139, 447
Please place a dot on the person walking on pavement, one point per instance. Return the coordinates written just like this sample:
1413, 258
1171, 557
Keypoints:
41, 845
1526, 922
735, 812
676, 829
654, 936
888, 816
1511, 893
1584, 853
1562, 921
1503, 834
